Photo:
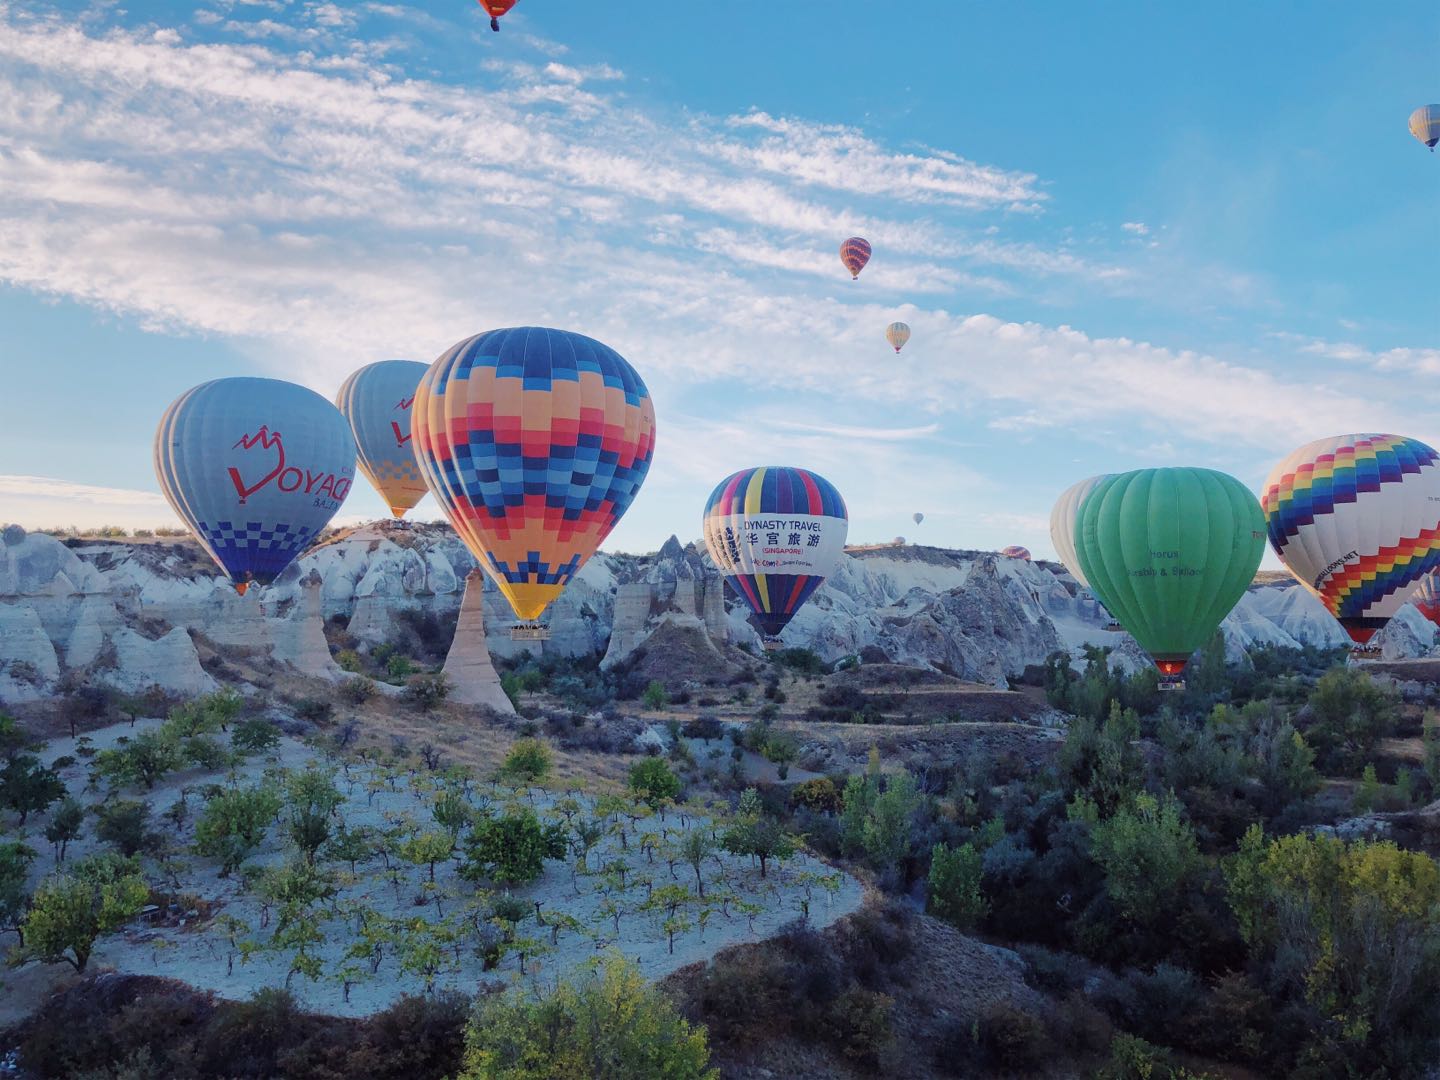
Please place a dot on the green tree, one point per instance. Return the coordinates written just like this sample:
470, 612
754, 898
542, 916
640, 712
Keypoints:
782, 750
1101, 761
608, 1025
27, 786
955, 894
754, 833
427, 849
1350, 715
1367, 795
427, 691
1150, 857
652, 781
511, 849
1349, 933
71, 911
451, 811
311, 800
654, 696
15, 859
255, 735
889, 826
351, 846
695, 847
861, 791
529, 761
146, 759
234, 823
65, 826
124, 824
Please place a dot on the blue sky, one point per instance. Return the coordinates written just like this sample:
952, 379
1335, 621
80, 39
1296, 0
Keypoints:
1125, 235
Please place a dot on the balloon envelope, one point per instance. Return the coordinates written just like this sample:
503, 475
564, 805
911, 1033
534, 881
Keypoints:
534, 442
897, 334
775, 533
1170, 552
1426, 597
855, 253
1015, 551
1425, 124
1356, 519
1062, 524
917, 517
376, 400
256, 468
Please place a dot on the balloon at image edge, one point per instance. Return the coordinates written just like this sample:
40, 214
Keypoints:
256, 468
897, 334
1426, 597
780, 494
377, 401
559, 432
1425, 125
1062, 524
1199, 534
854, 254
495, 9
1372, 496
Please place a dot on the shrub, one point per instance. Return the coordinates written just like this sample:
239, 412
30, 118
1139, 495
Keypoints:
705, 727
511, 849
652, 781
124, 824
357, 690
858, 1021
27, 786
955, 886
654, 696
820, 795
315, 710
234, 823
255, 735
70, 911
1013, 1040
529, 761
399, 668
1350, 714
805, 661
427, 691
349, 660
560, 1033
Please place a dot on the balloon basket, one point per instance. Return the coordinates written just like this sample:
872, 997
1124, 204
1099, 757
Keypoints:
1171, 682
1113, 627
529, 632
1365, 652
772, 644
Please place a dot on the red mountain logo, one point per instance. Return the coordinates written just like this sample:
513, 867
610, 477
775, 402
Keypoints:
400, 437
269, 441
405, 403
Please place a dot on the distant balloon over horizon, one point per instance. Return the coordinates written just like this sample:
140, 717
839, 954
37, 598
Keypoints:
256, 468
1016, 551
1425, 125
534, 442
1356, 520
917, 517
897, 334
376, 401
854, 254
1169, 552
775, 532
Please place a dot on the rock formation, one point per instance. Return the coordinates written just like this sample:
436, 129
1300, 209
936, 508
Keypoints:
473, 680
300, 636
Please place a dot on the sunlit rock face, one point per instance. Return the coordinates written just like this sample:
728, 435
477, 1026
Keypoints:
102, 609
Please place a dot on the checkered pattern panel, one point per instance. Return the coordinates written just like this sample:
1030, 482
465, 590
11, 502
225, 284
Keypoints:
266, 549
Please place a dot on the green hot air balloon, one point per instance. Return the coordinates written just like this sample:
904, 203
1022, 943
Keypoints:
1169, 552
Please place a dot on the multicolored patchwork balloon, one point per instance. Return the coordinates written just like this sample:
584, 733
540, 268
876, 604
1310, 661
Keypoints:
1425, 125
534, 442
1169, 552
897, 334
1426, 597
1015, 551
1356, 519
855, 253
256, 468
775, 533
376, 400
1062, 524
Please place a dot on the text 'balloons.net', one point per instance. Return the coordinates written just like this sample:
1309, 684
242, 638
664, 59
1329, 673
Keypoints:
775, 533
854, 254
376, 400
1356, 519
1170, 552
897, 334
256, 468
1062, 524
534, 442
1425, 124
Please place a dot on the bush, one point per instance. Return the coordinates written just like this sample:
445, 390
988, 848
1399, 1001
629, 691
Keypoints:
357, 690
255, 735
652, 781
511, 849
560, 1034
805, 661
315, 710
349, 660
955, 886
654, 696
1349, 715
124, 824
1013, 1040
705, 727
427, 691
858, 1021
820, 795
529, 761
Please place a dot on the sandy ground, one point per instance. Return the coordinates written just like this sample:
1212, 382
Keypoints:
197, 949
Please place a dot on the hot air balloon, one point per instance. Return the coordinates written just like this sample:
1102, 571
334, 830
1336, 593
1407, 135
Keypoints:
1356, 519
775, 532
1425, 125
899, 541
1170, 552
1015, 551
534, 442
917, 517
376, 401
1426, 598
855, 253
897, 333
256, 468
1062, 524
496, 8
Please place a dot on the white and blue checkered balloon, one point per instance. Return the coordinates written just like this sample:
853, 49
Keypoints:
256, 468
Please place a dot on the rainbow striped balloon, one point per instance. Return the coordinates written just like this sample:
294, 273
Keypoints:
775, 533
1356, 519
534, 442
854, 254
